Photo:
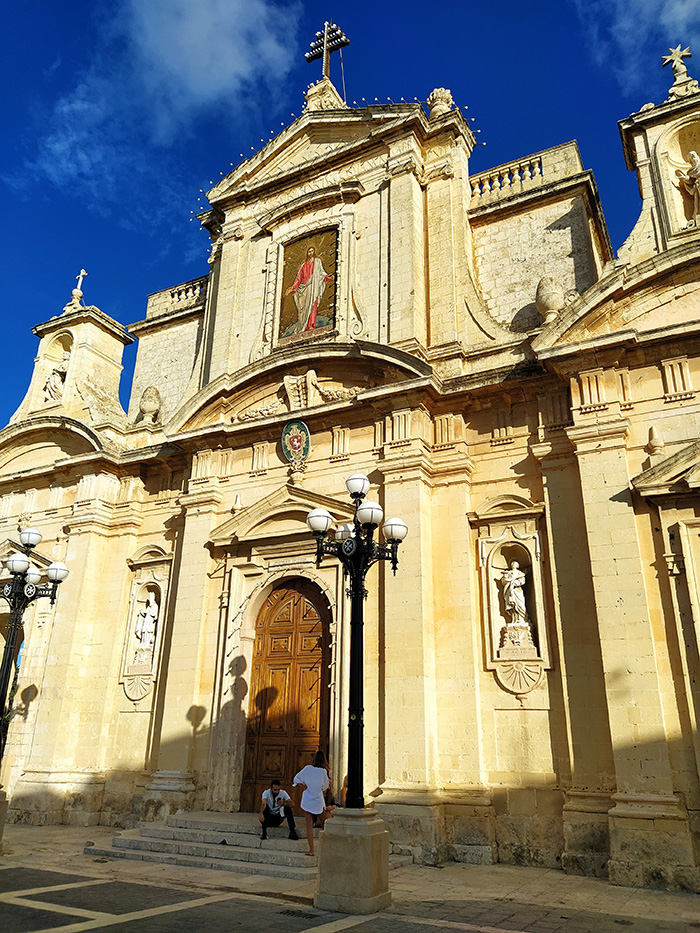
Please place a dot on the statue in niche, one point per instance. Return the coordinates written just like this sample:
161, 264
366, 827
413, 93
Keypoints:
516, 634
690, 184
145, 630
56, 380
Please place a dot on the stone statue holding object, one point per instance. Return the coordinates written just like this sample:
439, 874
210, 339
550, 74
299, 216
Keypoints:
145, 630
516, 634
690, 183
56, 380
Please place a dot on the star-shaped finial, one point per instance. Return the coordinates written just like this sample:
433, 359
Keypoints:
676, 56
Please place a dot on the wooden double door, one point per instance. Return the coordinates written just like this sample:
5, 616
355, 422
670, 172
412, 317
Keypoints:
288, 715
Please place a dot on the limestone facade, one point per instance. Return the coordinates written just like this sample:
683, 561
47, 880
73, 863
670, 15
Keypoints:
522, 398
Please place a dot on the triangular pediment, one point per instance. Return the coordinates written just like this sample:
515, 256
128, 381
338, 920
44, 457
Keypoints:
11, 545
280, 514
316, 139
678, 473
630, 304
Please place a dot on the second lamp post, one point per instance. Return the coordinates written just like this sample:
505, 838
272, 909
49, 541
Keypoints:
356, 549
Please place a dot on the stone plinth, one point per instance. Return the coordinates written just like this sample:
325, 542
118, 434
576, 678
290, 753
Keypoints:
353, 874
3, 813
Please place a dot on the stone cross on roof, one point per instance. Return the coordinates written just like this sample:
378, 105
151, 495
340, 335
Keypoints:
328, 41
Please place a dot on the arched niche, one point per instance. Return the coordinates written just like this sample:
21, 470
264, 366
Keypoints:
150, 569
56, 360
516, 645
673, 157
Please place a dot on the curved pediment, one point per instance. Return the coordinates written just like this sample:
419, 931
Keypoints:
43, 442
630, 304
290, 381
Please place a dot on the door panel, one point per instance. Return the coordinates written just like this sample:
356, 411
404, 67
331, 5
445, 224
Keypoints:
288, 714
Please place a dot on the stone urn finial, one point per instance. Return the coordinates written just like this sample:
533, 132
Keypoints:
440, 101
549, 298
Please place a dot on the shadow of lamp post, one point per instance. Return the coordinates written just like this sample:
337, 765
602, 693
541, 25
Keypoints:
357, 883
22, 590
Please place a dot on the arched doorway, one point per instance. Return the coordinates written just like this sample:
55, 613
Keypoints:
288, 715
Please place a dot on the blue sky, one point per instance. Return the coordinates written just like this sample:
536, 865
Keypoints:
119, 112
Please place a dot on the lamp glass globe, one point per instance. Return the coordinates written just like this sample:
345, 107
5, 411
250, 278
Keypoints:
17, 563
357, 484
342, 532
394, 529
33, 574
370, 513
57, 572
30, 537
319, 520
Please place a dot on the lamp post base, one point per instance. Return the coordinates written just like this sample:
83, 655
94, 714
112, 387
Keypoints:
3, 813
353, 873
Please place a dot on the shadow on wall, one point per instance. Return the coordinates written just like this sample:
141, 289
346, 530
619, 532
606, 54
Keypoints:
211, 755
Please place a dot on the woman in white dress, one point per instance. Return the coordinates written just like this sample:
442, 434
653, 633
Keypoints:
314, 781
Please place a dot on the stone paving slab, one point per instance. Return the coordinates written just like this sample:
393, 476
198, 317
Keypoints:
73, 893
115, 897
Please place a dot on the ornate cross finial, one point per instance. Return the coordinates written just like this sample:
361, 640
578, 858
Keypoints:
328, 41
683, 84
80, 278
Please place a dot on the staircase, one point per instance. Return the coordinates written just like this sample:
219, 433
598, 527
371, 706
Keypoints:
197, 839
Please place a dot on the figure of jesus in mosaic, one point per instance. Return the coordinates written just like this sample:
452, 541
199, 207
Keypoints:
308, 288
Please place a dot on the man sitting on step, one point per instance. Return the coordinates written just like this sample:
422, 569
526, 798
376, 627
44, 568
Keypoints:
275, 809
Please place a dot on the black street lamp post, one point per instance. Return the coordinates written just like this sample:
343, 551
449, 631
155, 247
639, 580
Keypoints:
356, 549
22, 590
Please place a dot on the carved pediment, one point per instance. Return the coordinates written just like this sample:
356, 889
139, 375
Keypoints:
279, 514
679, 473
338, 374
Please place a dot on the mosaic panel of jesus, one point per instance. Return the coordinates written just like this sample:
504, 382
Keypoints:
308, 284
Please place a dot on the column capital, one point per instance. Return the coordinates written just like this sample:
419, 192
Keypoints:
590, 438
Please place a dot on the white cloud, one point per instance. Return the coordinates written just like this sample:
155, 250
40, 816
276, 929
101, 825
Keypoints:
158, 68
624, 35
191, 55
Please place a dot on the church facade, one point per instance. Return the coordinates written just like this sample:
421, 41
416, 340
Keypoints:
526, 400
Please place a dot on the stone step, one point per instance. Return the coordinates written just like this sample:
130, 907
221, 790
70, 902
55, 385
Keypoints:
228, 823
277, 838
241, 868
293, 858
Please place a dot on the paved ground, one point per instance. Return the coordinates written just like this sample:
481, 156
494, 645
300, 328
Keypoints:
48, 884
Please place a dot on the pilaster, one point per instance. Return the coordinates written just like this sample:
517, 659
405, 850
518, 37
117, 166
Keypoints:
585, 811
650, 839
180, 708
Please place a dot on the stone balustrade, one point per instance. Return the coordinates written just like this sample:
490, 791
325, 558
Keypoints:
179, 298
506, 180
533, 171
